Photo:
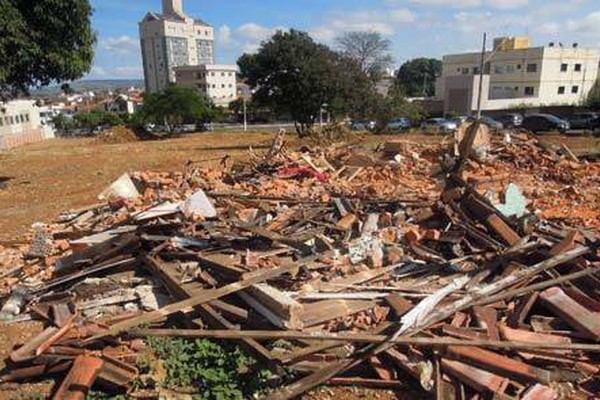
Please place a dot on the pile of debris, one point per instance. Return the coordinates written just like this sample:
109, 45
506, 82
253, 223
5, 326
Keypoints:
118, 134
424, 264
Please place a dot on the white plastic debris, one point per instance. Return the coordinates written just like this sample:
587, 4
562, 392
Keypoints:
123, 188
515, 202
199, 205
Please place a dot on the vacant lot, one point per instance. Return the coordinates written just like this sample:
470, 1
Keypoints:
41, 180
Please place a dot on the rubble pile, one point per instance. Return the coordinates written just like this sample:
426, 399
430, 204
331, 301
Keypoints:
342, 265
117, 134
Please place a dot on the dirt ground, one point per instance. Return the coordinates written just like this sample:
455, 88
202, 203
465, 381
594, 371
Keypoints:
39, 181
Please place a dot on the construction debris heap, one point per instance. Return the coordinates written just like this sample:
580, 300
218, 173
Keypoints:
470, 270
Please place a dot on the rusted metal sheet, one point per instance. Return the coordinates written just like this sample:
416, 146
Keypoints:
572, 312
502, 229
498, 363
80, 379
478, 379
487, 318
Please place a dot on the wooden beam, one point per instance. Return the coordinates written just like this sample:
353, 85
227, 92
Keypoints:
359, 338
200, 298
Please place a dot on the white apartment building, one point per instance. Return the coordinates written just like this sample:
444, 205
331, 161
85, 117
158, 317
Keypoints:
516, 75
173, 39
20, 123
217, 82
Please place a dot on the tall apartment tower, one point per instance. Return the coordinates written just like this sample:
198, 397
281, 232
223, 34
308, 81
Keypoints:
173, 39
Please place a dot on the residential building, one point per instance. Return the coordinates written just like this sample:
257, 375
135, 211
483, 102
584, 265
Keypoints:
122, 103
217, 82
516, 74
20, 123
170, 40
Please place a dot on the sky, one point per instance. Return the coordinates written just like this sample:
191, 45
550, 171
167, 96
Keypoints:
416, 28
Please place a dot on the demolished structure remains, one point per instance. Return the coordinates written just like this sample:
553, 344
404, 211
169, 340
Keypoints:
469, 269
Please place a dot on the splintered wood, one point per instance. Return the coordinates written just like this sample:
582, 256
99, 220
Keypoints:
469, 277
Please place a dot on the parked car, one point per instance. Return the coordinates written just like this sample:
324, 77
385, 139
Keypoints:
439, 125
399, 124
461, 119
587, 121
362, 125
545, 123
489, 121
510, 120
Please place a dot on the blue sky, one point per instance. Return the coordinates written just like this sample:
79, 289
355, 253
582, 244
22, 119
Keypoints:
416, 28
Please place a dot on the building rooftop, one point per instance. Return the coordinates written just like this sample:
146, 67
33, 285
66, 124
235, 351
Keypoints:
173, 17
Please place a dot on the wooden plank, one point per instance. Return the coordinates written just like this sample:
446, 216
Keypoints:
207, 311
361, 338
198, 299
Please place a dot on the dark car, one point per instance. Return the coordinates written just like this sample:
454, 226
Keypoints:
586, 121
510, 120
545, 123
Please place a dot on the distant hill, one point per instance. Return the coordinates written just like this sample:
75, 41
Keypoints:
94, 86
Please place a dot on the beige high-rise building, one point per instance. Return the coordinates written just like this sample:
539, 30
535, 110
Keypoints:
173, 39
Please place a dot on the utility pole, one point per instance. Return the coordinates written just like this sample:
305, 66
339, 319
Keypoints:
245, 114
481, 65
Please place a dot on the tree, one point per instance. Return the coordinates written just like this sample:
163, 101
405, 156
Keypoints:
43, 41
416, 78
383, 109
593, 98
293, 75
175, 105
369, 49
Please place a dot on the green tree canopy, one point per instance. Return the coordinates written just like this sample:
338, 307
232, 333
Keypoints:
369, 49
175, 105
416, 78
293, 75
43, 41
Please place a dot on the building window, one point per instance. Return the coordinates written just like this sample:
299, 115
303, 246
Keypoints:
529, 91
510, 69
458, 70
531, 67
223, 86
465, 71
231, 74
577, 67
1, 122
575, 89
27, 117
561, 90
564, 67
498, 69
518, 66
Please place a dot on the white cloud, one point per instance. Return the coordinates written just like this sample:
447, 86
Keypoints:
508, 4
587, 26
98, 71
225, 36
500, 4
250, 35
131, 71
255, 31
121, 45
451, 3
385, 22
